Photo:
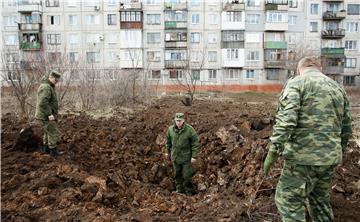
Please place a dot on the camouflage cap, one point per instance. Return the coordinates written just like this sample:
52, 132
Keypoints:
179, 116
55, 74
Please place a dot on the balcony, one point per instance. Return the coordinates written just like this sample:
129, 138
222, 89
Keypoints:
128, 6
333, 34
277, 5
234, 6
130, 25
333, 52
175, 24
277, 64
331, 70
30, 45
174, 44
175, 6
334, 15
276, 26
29, 27
29, 7
174, 64
275, 45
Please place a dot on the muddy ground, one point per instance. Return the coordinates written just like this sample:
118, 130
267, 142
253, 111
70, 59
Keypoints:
113, 168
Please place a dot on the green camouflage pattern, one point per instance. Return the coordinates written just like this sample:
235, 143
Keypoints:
183, 177
51, 133
304, 185
182, 144
47, 103
313, 121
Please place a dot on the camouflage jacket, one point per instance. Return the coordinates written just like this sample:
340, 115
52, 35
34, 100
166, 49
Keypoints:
182, 144
46, 103
313, 121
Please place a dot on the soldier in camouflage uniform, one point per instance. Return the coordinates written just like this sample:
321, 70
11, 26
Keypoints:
313, 125
47, 112
182, 148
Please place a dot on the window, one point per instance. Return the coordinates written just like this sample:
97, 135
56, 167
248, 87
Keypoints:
152, 2
195, 37
233, 16
292, 19
175, 74
52, 3
92, 38
350, 63
212, 56
212, 38
155, 74
71, 3
130, 16
153, 19
195, 19
12, 57
72, 19
112, 2
54, 39
292, 38
213, 19
92, 57
353, 9
273, 17
195, 2
293, 3
272, 74
54, 19
352, 26
313, 26
73, 39
212, 73
253, 56
252, 2
153, 56
231, 36
92, 19
12, 2
175, 36
153, 37
195, 74
349, 81
175, 55
232, 74
10, 20
73, 57
232, 54
111, 19
113, 55
250, 74
350, 44
253, 18
314, 9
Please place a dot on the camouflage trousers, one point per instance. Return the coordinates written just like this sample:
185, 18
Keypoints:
183, 177
51, 133
304, 185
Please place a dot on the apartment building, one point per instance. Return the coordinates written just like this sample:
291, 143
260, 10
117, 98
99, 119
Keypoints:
222, 44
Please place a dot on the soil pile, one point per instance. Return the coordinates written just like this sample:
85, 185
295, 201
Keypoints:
114, 170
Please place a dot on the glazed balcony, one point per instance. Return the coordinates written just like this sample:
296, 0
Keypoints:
234, 6
25, 7
277, 5
30, 46
175, 64
175, 24
29, 26
333, 52
279, 64
333, 34
128, 6
333, 70
275, 45
176, 44
340, 15
175, 6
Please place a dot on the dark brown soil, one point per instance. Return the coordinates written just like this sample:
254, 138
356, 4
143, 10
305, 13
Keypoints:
113, 169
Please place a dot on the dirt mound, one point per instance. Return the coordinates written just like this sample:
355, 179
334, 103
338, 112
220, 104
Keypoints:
114, 170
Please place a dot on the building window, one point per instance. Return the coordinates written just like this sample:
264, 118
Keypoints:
12, 57
232, 74
175, 74
195, 19
152, 2
212, 38
274, 17
10, 20
72, 19
93, 38
92, 57
212, 56
213, 19
195, 2
112, 2
195, 37
53, 39
155, 74
73, 57
212, 73
314, 9
253, 18
293, 3
250, 74
253, 56
231, 36
54, 19
153, 37
313, 26
349, 81
272, 74
195, 74
153, 56
350, 44
352, 26
232, 54
233, 16
130, 16
353, 9
252, 3
12, 2
52, 3
111, 19
153, 19
73, 39
292, 19
92, 19
350, 63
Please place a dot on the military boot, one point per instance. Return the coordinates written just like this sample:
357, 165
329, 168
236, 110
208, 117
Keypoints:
55, 152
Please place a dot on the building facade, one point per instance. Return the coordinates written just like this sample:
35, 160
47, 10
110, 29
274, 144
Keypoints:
223, 45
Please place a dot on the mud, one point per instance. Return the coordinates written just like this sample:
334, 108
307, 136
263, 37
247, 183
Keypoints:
113, 168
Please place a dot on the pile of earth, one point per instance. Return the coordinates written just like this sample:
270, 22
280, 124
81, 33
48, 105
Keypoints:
113, 169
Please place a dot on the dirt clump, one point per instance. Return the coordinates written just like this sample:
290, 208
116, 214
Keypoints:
113, 169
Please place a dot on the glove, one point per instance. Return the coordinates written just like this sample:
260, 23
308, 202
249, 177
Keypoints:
269, 161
